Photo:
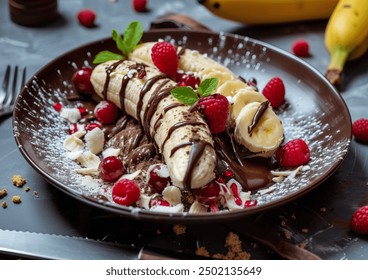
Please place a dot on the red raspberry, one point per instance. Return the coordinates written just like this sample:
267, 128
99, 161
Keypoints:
125, 192
164, 57
190, 80
300, 48
106, 112
274, 91
293, 154
82, 80
111, 168
209, 194
216, 110
158, 177
360, 130
140, 6
359, 220
86, 17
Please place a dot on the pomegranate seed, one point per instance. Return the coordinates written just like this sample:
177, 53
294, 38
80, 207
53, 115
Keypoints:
214, 208
111, 168
58, 107
93, 125
82, 80
158, 177
159, 201
229, 173
82, 110
234, 189
221, 180
209, 194
73, 128
250, 203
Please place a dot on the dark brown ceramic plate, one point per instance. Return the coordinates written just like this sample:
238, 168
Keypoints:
314, 111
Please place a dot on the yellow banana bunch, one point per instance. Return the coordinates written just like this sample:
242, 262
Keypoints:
346, 35
270, 11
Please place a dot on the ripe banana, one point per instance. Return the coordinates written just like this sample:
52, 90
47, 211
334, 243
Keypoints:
266, 135
270, 11
346, 35
183, 138
229, 85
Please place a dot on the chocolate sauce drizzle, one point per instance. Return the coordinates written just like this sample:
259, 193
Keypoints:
258, 115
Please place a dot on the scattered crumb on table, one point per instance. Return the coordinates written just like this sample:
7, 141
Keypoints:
3, 193
27, 189
16, 199
4, 204
179, 229
18, 181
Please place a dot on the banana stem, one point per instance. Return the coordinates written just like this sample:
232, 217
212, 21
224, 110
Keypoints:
334, 70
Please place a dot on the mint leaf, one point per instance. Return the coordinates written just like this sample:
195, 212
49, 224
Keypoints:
207, 86
185, 95
118, 40
132, 36
104, 56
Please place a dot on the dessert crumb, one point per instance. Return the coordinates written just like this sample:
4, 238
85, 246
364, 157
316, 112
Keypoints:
234, 246
3, 193
179, 229
202, 251
27, 189
323, 209
18, 181
305, 230
288, 234
36, 194
4, 204
16, 199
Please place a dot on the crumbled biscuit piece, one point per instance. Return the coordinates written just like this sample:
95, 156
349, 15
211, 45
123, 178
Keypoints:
233, 243
3, 204
27, 189
202, 251
3, 193
18, 181
179, 229
16, 199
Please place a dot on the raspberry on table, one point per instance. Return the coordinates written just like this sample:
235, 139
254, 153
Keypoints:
165, 58
360, 129
293, 154
300, 48
215, 108
274, 91
140, 6
359, 220
86, 17
125, 192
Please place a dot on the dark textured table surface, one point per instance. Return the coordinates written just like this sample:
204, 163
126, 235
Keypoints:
327, 233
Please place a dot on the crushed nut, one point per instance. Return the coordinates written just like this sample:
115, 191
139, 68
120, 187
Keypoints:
179, 229
16, 199
3, 204
3, 193
18, 181
27, 189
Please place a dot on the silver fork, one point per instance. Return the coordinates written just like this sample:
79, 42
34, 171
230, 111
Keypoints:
8, 95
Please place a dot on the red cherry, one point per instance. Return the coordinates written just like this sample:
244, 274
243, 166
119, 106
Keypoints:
158, 177
125, 192
190, 80
111, 168
209, 194
87, 17
106, 112
82, 80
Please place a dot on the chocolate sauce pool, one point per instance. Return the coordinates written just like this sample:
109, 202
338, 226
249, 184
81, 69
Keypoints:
252, 173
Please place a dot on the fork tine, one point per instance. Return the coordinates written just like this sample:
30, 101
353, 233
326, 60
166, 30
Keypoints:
4, 87
14, 87
24, 74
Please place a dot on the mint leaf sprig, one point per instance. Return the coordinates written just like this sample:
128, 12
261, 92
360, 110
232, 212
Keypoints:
188, 96
126, 44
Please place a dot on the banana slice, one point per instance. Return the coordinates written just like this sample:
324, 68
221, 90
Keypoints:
182, 137
259, 129
244, 97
